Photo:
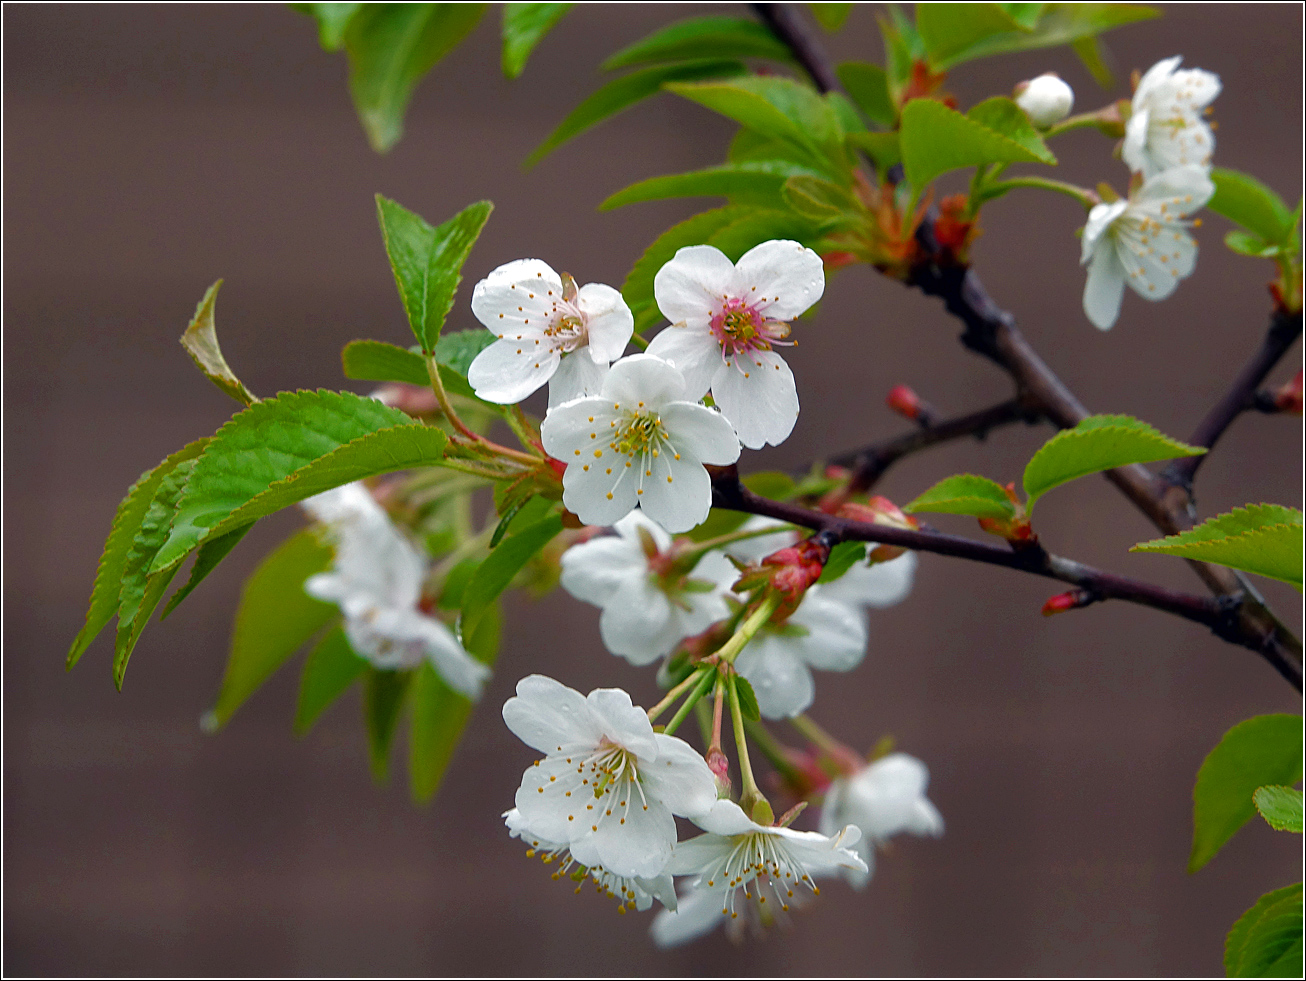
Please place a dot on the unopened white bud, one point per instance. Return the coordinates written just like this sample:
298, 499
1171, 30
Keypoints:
1047, 99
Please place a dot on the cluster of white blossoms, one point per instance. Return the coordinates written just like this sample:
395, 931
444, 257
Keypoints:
1143, 241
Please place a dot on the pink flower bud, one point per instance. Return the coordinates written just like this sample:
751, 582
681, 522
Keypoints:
1062, 602
904, 401
1288, 398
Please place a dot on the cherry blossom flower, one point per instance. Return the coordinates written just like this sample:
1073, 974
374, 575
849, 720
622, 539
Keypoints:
548, 331
1165, 128
726, 320
639, 442
882, 799
634, 891
608, 785
377, 581
1143, 242
1046, 99
649, 605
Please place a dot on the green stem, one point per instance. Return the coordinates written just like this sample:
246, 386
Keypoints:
442, 397
639, 342
704, 683
675, 693
771, 748
1084, 120
698, 549
751, 796
739, 640
815, 734
1081, 194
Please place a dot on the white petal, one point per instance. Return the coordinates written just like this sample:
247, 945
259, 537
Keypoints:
623, 723
600, 491
879, 585
697, 914
643, 378
577, 376
638, 624
546, 715
552, 799
694, 352
574, 430
1181, 189
756, 549
700, 432
509, 370
757, 394
460, 671
680, 778
516, 295
1105, 287
639, 847
594, 571
724, 818
1134, 148
925, 819
689, 287
629, 529
782, 682
677, 493
1099, 220
1154, 77
609, 322
836, 638
781, 278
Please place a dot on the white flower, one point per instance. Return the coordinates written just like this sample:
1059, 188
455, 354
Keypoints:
377, 581
1047, 99
608, 785
1143, 242
638, 892
875, 584
548, 331
725, 321
648, 605
639, 442
882, 799
1165, 128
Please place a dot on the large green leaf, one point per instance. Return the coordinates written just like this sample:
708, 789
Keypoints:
275, 619
330, 668
282, 450
935, 139
201, 342
458, 350
383, 702
440, 714
113, 560
499, 569
1266, 749
951, 29
624, 92
1280, 806
869, 87
761, 225
1266, 942
207, 558
967, 494
391, 46
427, 262
883, 148
1098, 443
524, 26
754, 182
1262, 538
1002, 115
382, 362
703, 37
1243, 199
332, 19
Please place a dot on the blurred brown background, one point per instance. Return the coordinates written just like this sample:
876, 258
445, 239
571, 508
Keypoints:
150, 150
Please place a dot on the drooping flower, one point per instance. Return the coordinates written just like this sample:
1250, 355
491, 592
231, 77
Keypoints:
548, 331
649, 605
1165, 127
727, 319
639, 442
1143, 242
377, 581
608, 785
634, 891
1046, 99
882, 799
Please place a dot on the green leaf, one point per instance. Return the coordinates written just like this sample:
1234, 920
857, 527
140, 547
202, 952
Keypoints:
332, 19
383, 702
951, 29
113, 560
284, 449
499, 569
754, 182
458, 350
330, 668
843, 557
524, 26
748, 706
1098, 443
883, 148
936, 139
1243, 199
207, 558
1280, 806
869, 87
201, 342
831, 16
771, 484
1266, 942
1266, 749
1092, 52
382, 362
275, 619
703, 37
440, 714
758, 226
821, 201
1262, 538
391, 46
1245, 243
967, 494
624, 92
427, 262
1002, 115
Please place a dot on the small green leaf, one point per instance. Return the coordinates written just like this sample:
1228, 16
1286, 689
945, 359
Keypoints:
703, 37
1262, 538
821, 201
1266, 942
427, 262
762, 225
1098, 443
1092, 53
1002, 115
869, 87
624, 92
330, 668
1266, 749
774, 485
883, 148
382, 362
391, 46
503, 564
748, 706
113, 561
951, 29
383, 703
207, 558
843, 557
831, 16
1243, 199
1245, 243
1280, 806
457, 351
275, 619
201, 342
751, 183
967, 494
332, 19
524, 26
936, 139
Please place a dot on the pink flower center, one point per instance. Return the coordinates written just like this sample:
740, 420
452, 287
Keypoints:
742, 329
567, 329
